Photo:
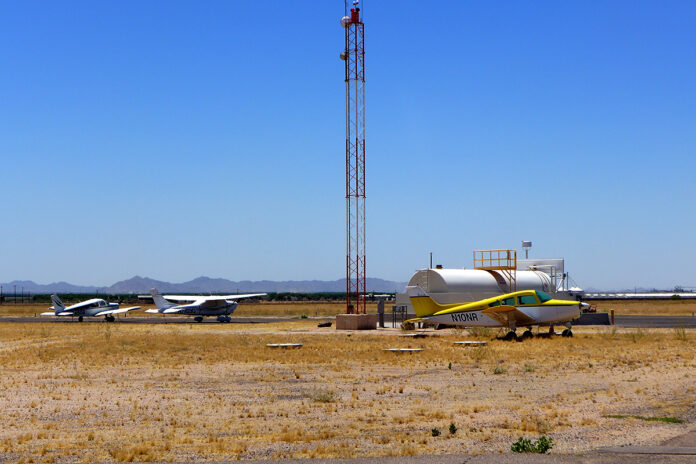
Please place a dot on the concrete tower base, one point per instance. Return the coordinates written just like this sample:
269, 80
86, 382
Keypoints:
356, 321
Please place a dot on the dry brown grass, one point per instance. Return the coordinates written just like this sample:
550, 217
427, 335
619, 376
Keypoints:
110, 392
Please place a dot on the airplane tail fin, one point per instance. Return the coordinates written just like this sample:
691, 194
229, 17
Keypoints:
159, 300
422, 303
58, 305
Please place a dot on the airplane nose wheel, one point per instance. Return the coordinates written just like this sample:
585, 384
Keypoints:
79, 319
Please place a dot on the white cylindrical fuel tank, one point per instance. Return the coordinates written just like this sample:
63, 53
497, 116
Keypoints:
466, 285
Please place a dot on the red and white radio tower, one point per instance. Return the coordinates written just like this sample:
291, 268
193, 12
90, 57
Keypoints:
354, 58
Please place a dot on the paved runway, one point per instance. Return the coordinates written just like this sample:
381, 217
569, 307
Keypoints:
655, 321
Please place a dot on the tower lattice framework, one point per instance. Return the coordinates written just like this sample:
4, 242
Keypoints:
354, 57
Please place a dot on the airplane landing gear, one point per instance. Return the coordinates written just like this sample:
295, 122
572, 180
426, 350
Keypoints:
198, 318
110, 318
567, 333
79, 318
527, 334
224, 319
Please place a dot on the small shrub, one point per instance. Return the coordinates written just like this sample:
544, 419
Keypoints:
680, 334
524, 445
323, 396
450, 366
543, 444
499, 370
435, 432
452, 428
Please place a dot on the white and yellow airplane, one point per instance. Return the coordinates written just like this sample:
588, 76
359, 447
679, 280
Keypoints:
525, 308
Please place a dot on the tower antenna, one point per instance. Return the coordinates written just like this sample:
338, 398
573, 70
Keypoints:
354, 60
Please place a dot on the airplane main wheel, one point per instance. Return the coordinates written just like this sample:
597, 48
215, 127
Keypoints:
198, 319
110, 318
79, 319
527, 334
567, 333
511, 335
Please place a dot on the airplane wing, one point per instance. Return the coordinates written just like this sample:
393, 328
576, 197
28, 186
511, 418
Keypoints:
116, 311
197, 299
239, 297
504, 314
64, 313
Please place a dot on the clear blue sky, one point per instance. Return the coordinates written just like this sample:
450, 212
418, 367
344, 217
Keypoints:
177, 139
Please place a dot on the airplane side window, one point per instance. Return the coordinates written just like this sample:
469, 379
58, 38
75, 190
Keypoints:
508, 301
543, 297
495, 303
528, 300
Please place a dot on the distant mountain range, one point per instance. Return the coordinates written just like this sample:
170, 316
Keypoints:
139, 284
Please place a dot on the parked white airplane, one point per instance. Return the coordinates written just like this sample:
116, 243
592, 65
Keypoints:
198, 305
92, 308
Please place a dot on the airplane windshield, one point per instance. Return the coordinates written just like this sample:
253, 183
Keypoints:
543, 297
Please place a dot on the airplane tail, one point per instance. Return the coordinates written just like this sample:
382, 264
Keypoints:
58, 305
422, 303
159, 300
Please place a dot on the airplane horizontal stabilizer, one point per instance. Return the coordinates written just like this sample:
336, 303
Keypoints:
173, 310
65, 313
152, 311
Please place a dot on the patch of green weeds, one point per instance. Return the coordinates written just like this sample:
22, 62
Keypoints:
524, 445
668, 419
